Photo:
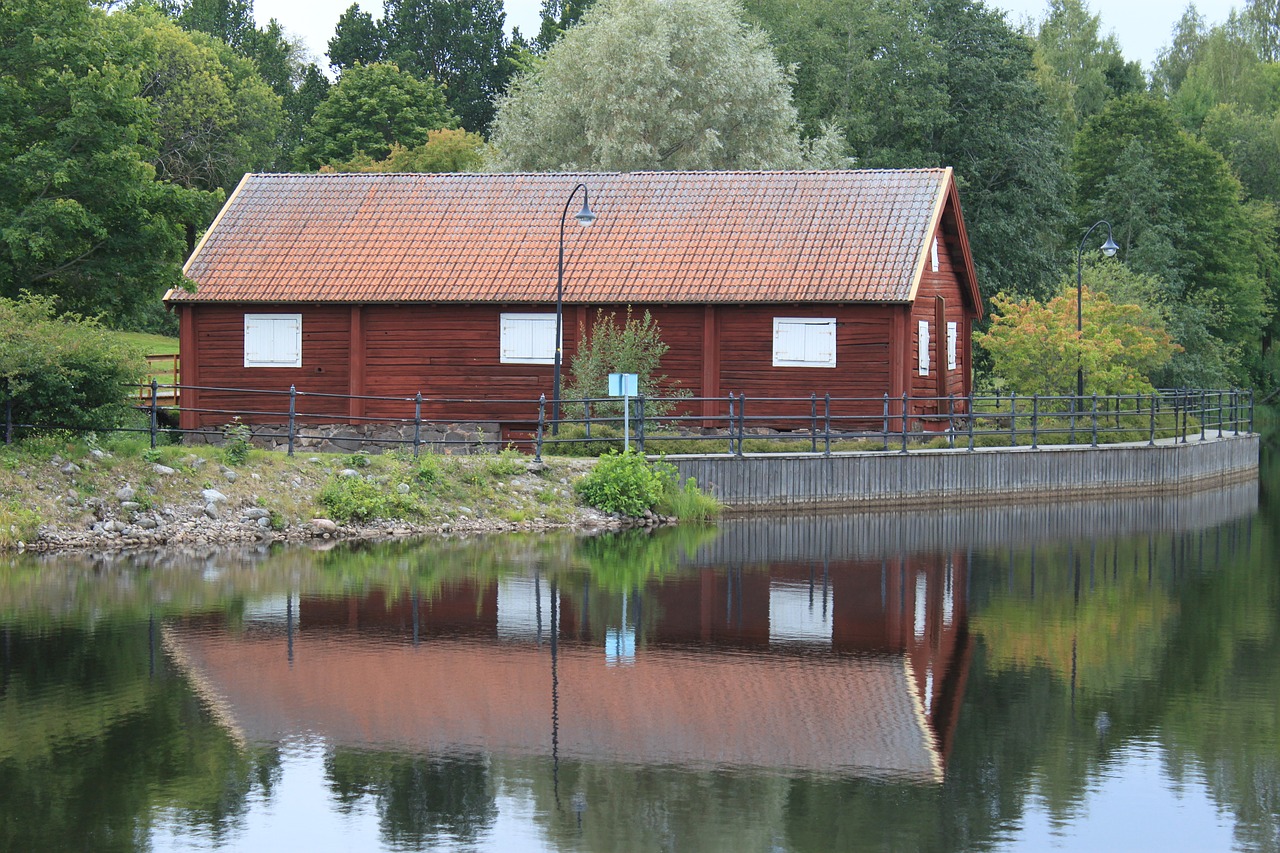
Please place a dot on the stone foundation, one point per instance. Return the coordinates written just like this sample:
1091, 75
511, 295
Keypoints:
453, 438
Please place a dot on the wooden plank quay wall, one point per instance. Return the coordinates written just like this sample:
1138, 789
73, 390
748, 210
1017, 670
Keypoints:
951, 477
802, 535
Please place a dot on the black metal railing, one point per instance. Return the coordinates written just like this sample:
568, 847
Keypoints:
733, 424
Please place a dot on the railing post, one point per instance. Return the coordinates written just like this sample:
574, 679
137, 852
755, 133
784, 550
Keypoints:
1093, 429
731, 422
1204, 414
742, 421
972, 415
417, 423
1250, 413
640, 423
1013, 419
1187, 404
904, 422
586, 415
1035, 421
886, 421
813, 422
293, 414
826, 424
542, 418
951, 421
1076, 402
155, 393
1151, 441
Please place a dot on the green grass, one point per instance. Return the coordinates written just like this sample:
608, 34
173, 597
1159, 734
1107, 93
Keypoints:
150, 344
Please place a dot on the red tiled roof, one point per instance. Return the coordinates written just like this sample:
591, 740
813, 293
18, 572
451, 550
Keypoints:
678, 237
857, 715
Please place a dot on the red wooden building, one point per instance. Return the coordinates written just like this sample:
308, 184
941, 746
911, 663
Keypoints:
769, 284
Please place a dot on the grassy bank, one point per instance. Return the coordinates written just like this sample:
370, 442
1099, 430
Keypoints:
65, 483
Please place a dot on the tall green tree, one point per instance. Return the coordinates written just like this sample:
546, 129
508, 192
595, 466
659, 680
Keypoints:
558, 16
916, 83
1171, 66
215, 117
82, 215
651, 84
358, 39
1092, 66
1216, 240
461, 44
368, 110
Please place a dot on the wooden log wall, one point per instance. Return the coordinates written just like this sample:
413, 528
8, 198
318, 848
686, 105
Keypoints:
953, 477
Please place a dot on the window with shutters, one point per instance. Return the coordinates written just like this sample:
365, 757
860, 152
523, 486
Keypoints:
273, 340
528, 339
804, 342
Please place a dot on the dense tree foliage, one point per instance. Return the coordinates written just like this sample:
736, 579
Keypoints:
82, 215
372, 107
943, 82
461, 45
644, 84
449, 150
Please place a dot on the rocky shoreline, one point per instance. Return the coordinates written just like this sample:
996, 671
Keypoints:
156, 505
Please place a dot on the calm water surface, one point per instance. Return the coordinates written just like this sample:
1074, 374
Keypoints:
1086, 676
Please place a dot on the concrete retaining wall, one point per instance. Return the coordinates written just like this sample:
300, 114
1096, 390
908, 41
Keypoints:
949, 477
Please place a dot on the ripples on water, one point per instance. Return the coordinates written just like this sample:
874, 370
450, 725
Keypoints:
1075, 677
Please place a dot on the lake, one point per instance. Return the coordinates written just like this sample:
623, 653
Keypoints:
1071, 676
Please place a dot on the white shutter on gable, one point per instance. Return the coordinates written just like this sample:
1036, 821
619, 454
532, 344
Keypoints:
952, 331
933, 255
924, 347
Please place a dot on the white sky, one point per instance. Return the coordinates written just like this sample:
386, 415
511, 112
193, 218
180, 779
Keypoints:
1142, 26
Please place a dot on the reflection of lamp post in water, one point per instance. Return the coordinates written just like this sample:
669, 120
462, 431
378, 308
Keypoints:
555, 693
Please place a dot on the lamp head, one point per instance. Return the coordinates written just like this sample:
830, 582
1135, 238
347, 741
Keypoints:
1110, 248
585, 217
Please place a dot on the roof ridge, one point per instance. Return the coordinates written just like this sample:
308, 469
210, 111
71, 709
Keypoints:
693, 172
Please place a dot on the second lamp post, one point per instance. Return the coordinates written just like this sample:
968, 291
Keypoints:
1109, 249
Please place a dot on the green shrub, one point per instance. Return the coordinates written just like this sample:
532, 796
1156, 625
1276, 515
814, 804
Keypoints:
64, 372
688, 503
508, 463
357, 499
17, 523
430, 469
624, 483
570, 441
236, 446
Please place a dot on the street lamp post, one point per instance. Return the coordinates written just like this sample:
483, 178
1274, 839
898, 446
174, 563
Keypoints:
1109, 249
585, 217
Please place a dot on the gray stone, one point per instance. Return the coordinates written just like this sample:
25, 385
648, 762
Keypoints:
126, 493
403, 488
56, 460
147, 523
324, 525
99, 454
264, 523
213, 496
130, 506
164, 470
230, 475
348, 472
255, 513
70, 468
211, 510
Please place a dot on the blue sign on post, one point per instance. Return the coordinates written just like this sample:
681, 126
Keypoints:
626, 386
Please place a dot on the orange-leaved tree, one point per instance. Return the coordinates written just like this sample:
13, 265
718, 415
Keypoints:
1036, 349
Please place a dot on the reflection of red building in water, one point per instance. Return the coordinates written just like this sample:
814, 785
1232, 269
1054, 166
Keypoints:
849, 667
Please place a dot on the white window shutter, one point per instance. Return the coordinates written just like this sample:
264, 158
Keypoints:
527, 338
272, 340
924, 347
933, 255
952, 331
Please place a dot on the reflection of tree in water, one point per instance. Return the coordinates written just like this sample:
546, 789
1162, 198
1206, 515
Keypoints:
98, 738
419, 798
